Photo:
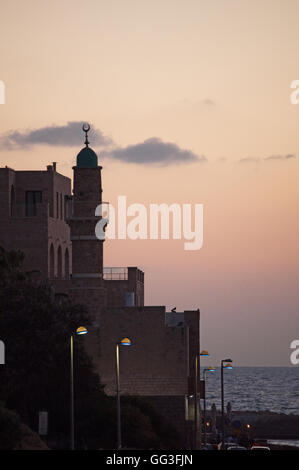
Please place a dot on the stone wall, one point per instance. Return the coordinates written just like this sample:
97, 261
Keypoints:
117, 289
34, 234
157, 361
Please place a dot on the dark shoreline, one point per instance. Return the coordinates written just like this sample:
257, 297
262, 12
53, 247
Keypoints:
268, 425
282, 447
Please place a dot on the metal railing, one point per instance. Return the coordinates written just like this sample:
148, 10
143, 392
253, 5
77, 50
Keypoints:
115, 274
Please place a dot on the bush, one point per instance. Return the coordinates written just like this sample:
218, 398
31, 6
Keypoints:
10, 429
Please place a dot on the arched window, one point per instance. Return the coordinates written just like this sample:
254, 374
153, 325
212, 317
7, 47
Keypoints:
67, 264
51, 261
59, 263
12, 201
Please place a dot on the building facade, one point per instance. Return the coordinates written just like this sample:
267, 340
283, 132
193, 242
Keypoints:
32, 214
55, 228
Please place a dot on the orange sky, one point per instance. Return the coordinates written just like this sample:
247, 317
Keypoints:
213, 78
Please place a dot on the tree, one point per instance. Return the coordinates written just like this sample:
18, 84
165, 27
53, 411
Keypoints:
10, 429
36, 330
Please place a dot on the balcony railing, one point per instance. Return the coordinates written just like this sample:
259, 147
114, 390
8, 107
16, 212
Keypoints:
115, 274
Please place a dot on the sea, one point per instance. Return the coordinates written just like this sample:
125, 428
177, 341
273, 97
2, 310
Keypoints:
273, 389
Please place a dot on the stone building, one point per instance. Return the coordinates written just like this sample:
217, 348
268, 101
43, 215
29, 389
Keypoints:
55, 228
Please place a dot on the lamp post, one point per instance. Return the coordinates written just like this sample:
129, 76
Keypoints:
80, 331
226, 366
197, 414
209, 369
123, 342
195, 402
248, 427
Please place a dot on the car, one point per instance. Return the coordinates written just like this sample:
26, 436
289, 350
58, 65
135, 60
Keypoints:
236, 448
226, 445
259, 448
208, 447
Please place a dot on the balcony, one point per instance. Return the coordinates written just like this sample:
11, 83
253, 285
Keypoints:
115, 274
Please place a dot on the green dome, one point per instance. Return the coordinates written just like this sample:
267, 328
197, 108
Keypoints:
87, 158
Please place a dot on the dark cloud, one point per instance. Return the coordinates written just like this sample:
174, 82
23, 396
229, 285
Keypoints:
280, 157
154, 151
70, 135
151, 151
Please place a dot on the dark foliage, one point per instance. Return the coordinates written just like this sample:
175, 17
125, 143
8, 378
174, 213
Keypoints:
36, 330
10, 429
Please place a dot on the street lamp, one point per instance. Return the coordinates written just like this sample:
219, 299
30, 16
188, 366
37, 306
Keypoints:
203, 353
209, 369
248, 426
228, 366
123, 342
225, 364
80, 331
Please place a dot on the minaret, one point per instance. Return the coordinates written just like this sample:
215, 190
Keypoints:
87, 285
87, 249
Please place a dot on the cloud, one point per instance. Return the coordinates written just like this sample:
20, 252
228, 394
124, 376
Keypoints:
198, 105
208, 102
154, 151
151, 151
249, 160
280, 157
272, 157
70, 135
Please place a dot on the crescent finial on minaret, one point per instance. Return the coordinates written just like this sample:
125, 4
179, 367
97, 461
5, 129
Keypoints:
86, 129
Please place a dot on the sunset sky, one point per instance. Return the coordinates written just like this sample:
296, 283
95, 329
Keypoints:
189, 102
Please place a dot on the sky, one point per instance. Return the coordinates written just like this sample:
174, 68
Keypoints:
189, 102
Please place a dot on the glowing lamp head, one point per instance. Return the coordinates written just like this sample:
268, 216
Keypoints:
204, 352
228, 366
211, 369
125, 342
81, 330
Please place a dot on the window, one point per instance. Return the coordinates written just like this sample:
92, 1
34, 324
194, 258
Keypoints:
33, 198
57, 205
66, 264
59, 263
65, 207
61, 207
12, 201
51, 262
